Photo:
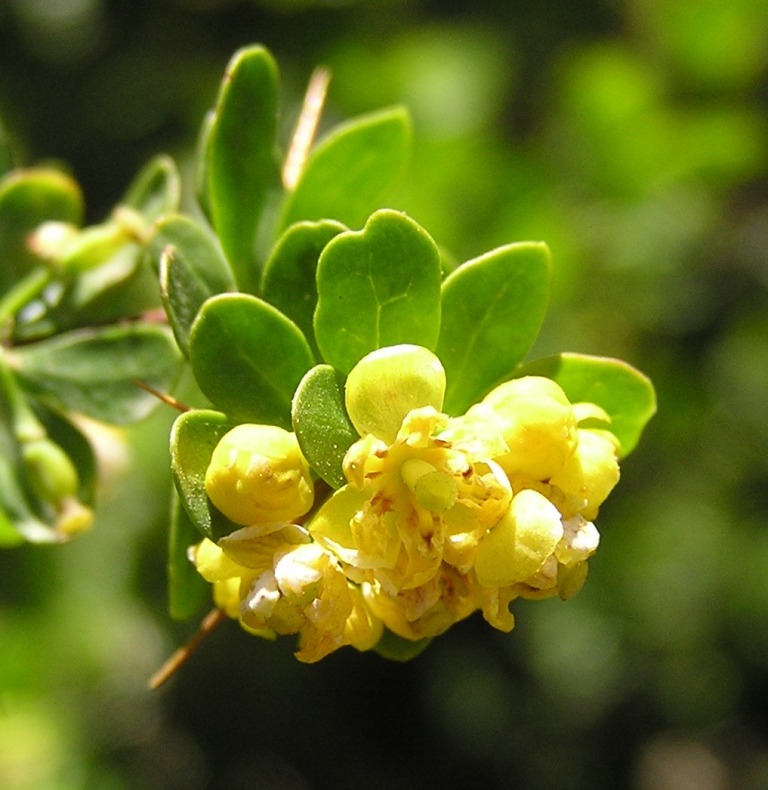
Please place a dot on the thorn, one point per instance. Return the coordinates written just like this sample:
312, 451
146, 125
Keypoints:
168, 400
210, 622
306, 127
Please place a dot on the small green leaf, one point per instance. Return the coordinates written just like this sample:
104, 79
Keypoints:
321, 424
395, 648
492, 309
27, 199
239, 162
95, 371
194, 437
192, 269
377, 287
248, 358
156, 190
187, 590
290, 274
347, 172
622, 391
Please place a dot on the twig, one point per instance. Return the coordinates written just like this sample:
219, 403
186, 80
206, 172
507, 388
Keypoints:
306, 127
168, 400
211, 621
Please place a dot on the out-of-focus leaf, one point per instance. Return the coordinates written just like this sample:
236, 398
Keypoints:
622, 391
192, 269
156, 190
248, 358
95, 371
492, 309
194, 437
377, 287
290, 274
239, 162
348, 171
27, 199
187, 590
321, 423
122, 287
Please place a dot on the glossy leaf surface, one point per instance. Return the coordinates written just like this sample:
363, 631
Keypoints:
347, 172
95, 371
192, 269
290, 274
239, 162
187, 590
194, 437
321, 423
492, 309
377, 287
248, 358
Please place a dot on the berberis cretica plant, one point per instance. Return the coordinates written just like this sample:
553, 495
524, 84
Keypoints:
371, 458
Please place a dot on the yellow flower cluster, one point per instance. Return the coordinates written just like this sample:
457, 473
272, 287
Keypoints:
441, 516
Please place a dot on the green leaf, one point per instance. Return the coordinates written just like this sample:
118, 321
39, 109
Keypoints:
377, 287
156, 190
192, 269
187, 590
395, 648
194, 437
347, 172
624, 392
248, 358
239, 162
321, 424
290, 274
121, 287
95, 371
27, 199
492, 309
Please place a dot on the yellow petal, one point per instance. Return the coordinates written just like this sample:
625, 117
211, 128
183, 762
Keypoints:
331, 525
520, 543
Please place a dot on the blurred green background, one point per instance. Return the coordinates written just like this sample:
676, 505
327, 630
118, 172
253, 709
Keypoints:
632, 136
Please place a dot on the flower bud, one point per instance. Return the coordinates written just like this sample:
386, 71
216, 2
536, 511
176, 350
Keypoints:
536, 419
390, 382
591, 472
49, 470
258, 475
518, 546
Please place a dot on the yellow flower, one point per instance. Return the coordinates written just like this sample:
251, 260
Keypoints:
258, 475
411, 505
282, 583
424, 611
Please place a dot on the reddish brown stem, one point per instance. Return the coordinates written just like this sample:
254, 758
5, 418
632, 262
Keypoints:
211, 621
